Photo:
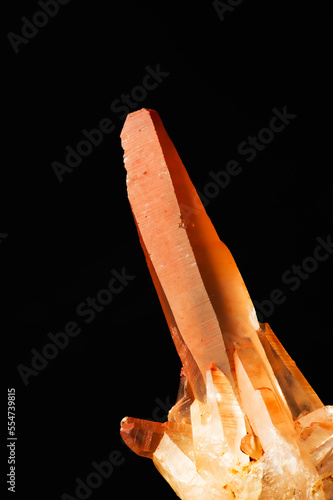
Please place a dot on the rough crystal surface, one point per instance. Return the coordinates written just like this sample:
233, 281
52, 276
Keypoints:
246, 423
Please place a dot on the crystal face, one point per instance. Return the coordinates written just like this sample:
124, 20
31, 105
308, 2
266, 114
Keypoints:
246, 424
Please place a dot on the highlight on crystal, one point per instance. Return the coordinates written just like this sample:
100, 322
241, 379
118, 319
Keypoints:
246, 423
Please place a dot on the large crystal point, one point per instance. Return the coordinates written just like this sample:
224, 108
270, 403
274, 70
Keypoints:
246, 423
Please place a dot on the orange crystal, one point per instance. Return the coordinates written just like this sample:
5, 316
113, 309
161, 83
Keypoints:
242, 426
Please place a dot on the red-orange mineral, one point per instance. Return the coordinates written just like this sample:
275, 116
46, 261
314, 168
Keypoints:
239, 428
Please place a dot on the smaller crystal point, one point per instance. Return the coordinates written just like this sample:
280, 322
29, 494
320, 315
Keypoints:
142, 436
246, 424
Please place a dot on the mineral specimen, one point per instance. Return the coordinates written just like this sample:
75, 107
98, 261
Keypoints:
246, 423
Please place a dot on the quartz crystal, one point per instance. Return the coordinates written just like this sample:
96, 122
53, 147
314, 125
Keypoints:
246, 424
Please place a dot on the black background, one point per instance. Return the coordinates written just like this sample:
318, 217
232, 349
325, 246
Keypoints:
64, 238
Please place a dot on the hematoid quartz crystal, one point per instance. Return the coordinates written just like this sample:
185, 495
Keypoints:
246, 423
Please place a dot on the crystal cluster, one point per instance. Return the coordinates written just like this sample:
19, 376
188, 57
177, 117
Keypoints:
246, 424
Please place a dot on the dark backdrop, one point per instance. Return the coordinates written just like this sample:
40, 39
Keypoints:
218, 76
